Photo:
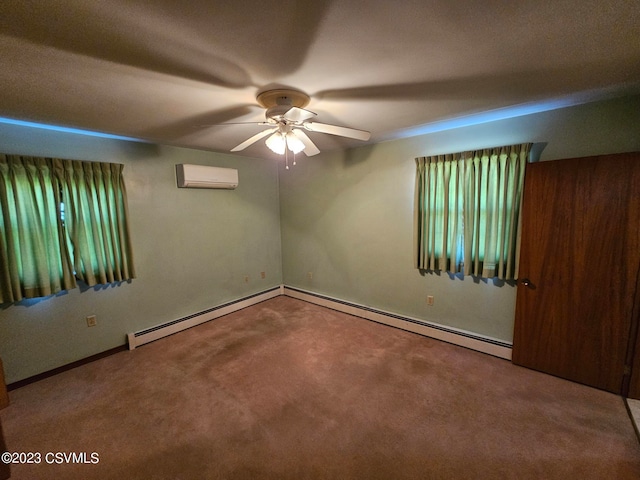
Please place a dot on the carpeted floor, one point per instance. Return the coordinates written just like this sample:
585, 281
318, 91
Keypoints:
290, 390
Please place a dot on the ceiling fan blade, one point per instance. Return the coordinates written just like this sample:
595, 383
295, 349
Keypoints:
336, 130
253, 139
310, 148
231, 123
298, 115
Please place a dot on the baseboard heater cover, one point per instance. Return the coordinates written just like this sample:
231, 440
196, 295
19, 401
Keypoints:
451, 335
159, 331
455, 336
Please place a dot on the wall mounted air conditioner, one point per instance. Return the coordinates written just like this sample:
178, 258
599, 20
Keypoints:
202, 176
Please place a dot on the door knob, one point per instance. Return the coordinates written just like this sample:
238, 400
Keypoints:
526, 282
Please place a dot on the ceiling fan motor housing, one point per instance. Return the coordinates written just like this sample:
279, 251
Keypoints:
279, 101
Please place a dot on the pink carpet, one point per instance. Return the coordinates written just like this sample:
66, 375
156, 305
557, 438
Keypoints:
289, 390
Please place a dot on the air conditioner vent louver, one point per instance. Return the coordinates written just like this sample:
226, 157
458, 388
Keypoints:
202, 176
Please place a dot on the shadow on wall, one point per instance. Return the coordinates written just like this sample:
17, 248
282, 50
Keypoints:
536, 151
141, 149
82, 287
30, 302
495, 281
356, 156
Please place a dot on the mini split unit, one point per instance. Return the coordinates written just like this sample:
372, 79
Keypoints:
202, 176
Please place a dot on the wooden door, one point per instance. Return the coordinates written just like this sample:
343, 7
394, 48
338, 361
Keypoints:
579, 263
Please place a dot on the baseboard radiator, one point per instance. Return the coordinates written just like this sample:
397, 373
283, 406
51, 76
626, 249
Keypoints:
458, 337
154, 333
455, 336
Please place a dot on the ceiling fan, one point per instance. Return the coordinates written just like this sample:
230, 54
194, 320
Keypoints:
288, 121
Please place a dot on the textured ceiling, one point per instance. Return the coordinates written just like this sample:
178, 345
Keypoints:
159, 70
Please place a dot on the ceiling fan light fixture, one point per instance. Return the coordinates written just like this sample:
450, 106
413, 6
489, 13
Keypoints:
288, 119
276, 143
294, 143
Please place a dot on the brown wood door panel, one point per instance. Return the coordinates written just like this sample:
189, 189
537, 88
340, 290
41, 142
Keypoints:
634, 356
580, 251
633, 352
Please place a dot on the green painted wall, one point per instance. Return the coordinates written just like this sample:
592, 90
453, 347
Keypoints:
192, 250
347, 217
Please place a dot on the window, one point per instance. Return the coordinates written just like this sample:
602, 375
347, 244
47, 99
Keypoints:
467, 209
61, 219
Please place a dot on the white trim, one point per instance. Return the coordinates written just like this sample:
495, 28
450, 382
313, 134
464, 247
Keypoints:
154, 333
452, 335
455, 336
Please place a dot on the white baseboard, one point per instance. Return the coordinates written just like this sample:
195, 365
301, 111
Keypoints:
458, 337
154, 333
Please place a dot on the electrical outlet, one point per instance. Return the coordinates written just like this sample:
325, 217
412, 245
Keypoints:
430, 300
310, 275
92, 321
263, 274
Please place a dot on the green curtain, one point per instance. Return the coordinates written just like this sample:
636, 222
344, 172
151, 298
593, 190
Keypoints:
33, 254
95, 201
43, 254
467, 211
